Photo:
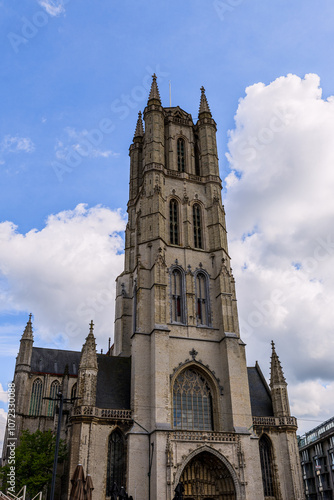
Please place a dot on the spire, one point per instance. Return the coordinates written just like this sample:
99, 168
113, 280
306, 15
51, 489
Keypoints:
276, 372
139, 132
27, 334
23, 359
204, 106
88, 353
154, 93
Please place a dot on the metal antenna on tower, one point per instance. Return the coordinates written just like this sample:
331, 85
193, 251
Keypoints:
170, 95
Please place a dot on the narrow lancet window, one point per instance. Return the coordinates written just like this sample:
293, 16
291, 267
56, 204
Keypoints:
116, 462
54, 389
202, 299
178, 313
173, 223
74, 392
36, 398
192, 402
197, 220
197, 156
181, 155
267, 466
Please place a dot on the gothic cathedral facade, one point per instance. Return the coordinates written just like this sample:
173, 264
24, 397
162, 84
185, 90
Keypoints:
172, 402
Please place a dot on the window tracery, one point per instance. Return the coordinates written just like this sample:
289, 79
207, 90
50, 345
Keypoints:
36, 398
116, 461
266, 458
192, 401
54, 389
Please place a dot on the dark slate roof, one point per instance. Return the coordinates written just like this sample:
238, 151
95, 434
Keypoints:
54, 361
113, 382
113, 377
260, 396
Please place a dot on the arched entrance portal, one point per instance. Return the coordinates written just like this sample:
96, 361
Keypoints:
205, 477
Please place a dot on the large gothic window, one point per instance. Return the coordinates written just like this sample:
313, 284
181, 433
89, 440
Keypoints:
202, 299
116, 461
177, 296
36, 398
197, 221
181, 159
54, 389
266, 457
174, 222
192, 401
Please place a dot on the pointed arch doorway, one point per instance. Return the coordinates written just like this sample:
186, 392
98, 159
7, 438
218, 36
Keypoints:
205, 477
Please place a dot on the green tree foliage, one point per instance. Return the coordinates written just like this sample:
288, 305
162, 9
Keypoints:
34, 458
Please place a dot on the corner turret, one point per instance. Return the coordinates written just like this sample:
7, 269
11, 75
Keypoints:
278, 386
154, 149
136, 159
204, 105
23, 359
88, 371
154, 97
207, 138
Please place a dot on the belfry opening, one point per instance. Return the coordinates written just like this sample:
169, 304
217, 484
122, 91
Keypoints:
206, 477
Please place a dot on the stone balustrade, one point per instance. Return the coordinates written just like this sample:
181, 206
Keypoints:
274, 421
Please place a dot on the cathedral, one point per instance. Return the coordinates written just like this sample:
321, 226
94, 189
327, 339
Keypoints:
171, 410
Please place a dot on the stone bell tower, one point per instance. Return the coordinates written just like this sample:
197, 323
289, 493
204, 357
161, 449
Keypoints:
176, 316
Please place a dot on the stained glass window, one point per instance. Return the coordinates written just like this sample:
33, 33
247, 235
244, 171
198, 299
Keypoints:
192, 401
116, 461
54, 389
267, 466
36, 398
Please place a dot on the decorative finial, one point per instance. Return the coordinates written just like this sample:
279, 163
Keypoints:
154, 93
276, 372
27, 334
91, 327
204, 106
139, 132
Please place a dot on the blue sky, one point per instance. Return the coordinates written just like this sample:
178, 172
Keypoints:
69, 68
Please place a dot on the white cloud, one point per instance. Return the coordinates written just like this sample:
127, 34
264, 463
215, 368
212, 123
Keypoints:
10, 144
65, 273
280, 210
3, 420
313, 402
85, 143
53, 8
3, 394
